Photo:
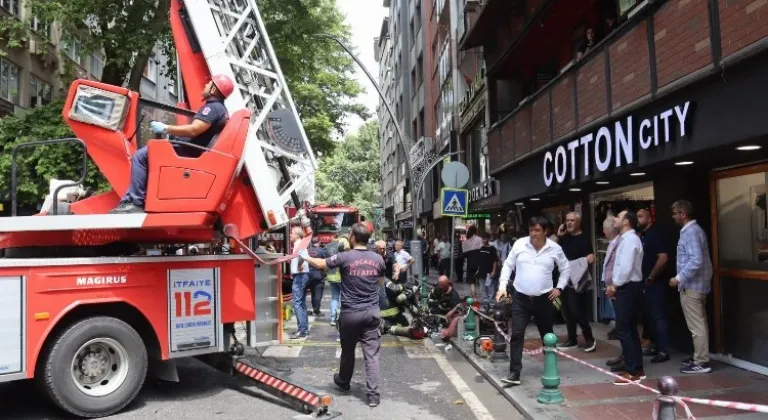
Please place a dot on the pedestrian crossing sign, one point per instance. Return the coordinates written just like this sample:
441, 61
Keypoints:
453, 202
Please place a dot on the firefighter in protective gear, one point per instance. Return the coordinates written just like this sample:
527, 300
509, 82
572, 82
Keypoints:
392, 300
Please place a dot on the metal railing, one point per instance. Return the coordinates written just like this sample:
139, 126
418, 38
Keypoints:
14, 180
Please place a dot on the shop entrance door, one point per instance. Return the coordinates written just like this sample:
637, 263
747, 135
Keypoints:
740, 260
611, 203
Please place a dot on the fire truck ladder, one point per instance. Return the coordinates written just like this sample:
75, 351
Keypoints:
277, 143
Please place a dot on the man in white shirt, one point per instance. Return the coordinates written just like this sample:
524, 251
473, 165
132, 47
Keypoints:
444, 257
532, 259
627, 290
403, 261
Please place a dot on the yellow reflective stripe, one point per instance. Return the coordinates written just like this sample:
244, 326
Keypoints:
390, 311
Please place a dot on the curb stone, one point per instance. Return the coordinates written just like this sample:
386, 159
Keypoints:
475, 362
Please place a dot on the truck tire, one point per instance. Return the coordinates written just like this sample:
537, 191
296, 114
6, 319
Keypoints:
95, 367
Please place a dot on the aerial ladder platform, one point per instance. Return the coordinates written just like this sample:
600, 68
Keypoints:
89, 299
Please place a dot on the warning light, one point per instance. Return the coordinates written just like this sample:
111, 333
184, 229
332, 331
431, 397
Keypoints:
326, 400
272, 218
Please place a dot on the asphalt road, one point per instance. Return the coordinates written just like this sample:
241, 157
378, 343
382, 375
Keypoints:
420, 381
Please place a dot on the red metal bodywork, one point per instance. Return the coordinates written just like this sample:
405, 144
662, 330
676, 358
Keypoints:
53, 292
329, 212
185, 197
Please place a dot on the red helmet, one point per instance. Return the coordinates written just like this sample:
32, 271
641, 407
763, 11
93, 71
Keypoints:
224, 84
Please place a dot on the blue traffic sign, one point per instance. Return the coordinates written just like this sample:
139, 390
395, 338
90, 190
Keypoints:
453, 202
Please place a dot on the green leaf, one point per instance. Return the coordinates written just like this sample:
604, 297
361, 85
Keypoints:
36, 166
351, 174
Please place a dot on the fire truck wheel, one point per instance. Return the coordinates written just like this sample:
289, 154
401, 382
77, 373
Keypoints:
95, 367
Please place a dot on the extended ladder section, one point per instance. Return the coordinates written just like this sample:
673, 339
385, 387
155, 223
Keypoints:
233, 39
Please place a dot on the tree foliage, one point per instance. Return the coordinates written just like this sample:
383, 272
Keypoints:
319, 74
351, 175
37, 165
125, 30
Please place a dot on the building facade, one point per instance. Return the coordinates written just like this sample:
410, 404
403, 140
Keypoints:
597, 106
31, 75
400, 50
436, 76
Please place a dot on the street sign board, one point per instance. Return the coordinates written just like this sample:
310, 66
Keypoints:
455, 175
453, 202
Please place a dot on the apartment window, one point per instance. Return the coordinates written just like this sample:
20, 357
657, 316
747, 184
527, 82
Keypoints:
150, 70
435, 57
413, 82
40, 26
421, 123
445, 62
9, 81
39, 92
417, 15
412, 32
96, 65
12, 6
172, 89
74, 50
420, 69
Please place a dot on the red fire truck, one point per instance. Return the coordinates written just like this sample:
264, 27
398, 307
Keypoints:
332, 219
88, 299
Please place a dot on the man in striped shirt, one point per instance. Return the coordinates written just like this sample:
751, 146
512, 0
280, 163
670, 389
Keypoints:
694, 282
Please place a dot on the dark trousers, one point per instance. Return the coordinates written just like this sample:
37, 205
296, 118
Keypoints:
523, 307
317, 288
137, 190
458, 267
444, 266
655, 313
629, 300
576, 307
362, 326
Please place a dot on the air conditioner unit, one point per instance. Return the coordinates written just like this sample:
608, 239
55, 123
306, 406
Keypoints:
472, 5
32, 46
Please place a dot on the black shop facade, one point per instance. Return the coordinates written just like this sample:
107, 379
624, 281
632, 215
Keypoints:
706, 143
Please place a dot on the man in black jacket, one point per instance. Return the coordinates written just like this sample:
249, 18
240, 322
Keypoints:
316, 276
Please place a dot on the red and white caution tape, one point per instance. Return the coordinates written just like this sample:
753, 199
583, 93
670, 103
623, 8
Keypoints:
679, 400
753, 408
495, 323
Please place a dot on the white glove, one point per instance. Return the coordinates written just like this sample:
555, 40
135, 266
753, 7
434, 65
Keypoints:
158, 128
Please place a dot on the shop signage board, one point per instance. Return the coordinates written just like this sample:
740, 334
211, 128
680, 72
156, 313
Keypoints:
485, 189
477, 216
614, 145
454, 202
405, 224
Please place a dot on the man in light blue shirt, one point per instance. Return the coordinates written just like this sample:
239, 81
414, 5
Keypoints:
694, 282
627, 289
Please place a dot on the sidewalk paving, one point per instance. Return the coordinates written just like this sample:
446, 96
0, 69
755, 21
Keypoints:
591, 395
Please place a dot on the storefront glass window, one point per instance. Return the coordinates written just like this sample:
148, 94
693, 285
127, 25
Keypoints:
742, 217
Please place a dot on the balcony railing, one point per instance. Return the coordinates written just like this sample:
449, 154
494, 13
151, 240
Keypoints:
619, 74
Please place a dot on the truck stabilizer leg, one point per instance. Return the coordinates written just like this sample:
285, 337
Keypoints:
299, 397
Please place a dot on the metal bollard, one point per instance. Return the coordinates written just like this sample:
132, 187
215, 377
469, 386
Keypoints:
550, 393
470, 324
668, 387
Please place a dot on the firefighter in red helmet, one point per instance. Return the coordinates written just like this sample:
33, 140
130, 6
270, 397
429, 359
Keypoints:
206, 124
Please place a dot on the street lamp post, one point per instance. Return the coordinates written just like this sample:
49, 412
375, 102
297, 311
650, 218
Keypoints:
407, 144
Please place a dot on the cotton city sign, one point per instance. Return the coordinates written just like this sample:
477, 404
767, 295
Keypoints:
612, 147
